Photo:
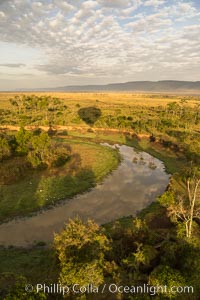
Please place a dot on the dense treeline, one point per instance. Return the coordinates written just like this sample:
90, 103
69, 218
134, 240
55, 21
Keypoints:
130, 253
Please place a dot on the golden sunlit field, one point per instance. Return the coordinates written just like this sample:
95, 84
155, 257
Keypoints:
119, 111
105, 99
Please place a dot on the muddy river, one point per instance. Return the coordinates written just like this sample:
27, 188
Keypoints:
132, 186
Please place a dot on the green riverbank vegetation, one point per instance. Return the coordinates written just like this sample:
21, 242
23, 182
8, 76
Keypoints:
37, 170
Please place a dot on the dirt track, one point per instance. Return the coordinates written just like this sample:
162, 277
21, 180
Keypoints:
70, 128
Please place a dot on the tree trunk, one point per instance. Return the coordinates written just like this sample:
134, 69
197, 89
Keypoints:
187, 229
192, 199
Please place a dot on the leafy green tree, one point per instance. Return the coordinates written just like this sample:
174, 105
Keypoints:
81, 251
15, 104
141, 258
164, 276
189, 259
17, 289
61, 155
43, 104
173, 108
23, 140
5, 150
40, 149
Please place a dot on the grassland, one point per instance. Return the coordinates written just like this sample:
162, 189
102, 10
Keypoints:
36, 264
121, 115
105, 99
89, 163
174, 122
112, 106
173, 161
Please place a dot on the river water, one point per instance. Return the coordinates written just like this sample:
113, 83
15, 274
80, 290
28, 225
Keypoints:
132, 186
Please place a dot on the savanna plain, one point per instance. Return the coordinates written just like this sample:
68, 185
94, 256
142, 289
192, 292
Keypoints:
51, 149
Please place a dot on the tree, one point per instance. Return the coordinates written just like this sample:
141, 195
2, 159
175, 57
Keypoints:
40, 149
194, 205
142, 257
4, 148
61, 154
173, 108
23, 139
165, 280
18, 288
43, 105
15, 104
81, 250
185, 206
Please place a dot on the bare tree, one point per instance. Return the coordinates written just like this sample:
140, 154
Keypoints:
194, 205
187, 207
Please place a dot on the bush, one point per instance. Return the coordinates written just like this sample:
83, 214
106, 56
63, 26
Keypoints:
64, 132
12, 171
60, 161
37, 131
51, 132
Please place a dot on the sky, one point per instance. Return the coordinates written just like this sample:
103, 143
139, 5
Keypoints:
51, 43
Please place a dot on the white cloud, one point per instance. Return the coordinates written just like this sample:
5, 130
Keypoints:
154, 2
151, 23
115, 3
9, 65
2, 14
89, 4
64, 6
186, 7
128, 11
99, 38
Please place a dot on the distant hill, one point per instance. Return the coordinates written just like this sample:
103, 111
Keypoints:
135, 86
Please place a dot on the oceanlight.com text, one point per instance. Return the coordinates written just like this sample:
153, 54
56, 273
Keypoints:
111, 288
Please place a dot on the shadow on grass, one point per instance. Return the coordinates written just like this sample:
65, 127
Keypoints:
89, 115
37, 192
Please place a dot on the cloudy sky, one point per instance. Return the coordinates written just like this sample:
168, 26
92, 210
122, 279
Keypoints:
49, 43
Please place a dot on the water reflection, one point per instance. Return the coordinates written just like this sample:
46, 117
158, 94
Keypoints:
127, 190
